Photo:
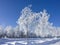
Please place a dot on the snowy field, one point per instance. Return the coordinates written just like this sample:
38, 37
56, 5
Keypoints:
30, 41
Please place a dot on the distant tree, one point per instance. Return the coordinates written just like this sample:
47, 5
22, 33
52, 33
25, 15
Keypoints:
9, 31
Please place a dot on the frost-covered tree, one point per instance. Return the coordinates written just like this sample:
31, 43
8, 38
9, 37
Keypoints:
16, 30
31, 24
9, 31
36, 23
1, 31
24, 20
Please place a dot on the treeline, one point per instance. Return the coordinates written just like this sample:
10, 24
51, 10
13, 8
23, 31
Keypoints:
22, 35
19, 35
31, 25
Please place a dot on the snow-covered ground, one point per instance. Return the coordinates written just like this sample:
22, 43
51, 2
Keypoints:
30, 41
57, 43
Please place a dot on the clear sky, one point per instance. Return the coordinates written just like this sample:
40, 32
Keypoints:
10, 10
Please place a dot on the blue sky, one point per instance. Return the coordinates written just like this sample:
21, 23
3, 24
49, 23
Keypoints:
10, 10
